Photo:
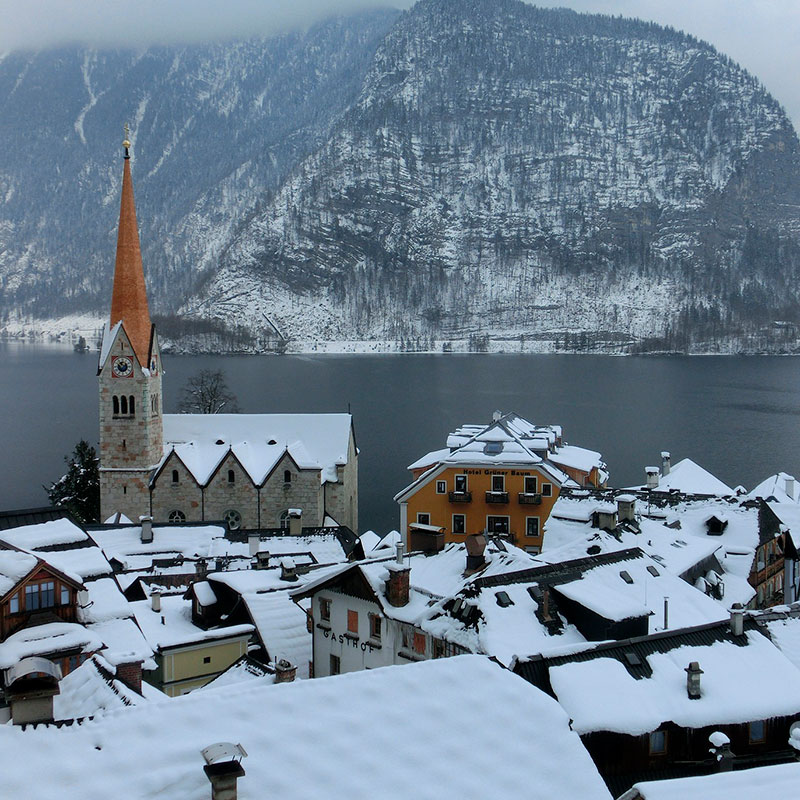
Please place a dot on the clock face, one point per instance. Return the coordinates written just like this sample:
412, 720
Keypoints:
122, 367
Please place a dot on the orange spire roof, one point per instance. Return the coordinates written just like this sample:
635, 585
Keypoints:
129, 298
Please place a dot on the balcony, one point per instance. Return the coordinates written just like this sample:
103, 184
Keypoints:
497, 498
460, 497
526, 499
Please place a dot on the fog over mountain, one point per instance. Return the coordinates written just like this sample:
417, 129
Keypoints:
462, 171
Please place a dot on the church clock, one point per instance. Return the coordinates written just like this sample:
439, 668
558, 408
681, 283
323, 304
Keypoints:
122, 367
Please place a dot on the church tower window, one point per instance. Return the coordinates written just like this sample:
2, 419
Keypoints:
115, 405
123, 406
132, 405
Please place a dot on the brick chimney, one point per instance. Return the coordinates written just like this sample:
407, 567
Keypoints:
285, 671
397, 586
130, 673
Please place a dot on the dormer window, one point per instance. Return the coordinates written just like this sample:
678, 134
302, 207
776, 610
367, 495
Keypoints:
40, 595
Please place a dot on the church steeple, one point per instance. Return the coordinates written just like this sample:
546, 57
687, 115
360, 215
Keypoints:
129, 297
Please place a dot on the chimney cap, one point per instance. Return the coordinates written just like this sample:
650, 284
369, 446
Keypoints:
223, 751
694, 668
665, 454
475, 544
652, 470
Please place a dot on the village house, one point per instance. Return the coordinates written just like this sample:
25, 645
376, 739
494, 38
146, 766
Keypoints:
501, 479
250, 470
645, 707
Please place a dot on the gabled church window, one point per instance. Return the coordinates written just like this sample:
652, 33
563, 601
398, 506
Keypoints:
287, 476
175, 477
231, 476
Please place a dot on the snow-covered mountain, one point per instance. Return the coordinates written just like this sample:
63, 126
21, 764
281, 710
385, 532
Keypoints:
464, 170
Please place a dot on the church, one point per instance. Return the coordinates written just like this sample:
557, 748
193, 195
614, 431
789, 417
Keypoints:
250, 470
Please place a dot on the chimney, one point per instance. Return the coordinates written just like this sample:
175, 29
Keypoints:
737, 619
31, 685
789, 485
288, 569
693, 673
147, 529
497, 416
253, 542
397, 586
666, 463
476, 547
201, 567
262, 559
285, 671
223, 768
666, 613
544, 606
652, 477
295, 522
155, 600
721, 750
626, 508
130, 673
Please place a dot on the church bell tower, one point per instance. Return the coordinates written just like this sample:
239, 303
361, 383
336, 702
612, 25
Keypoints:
129, 376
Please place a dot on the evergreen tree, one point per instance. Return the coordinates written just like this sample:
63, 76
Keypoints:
78, 491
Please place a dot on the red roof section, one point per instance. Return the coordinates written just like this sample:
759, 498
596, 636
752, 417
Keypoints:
129, 298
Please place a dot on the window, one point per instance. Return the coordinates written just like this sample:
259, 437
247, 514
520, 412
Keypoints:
13, 604
441, 487
231, 476
65, 595
123, 405
531, 526
497, 524
374, 627
498, 483
461, 483
531, 484
658, 743
40, 595
758, 732
423, 518
284, 520
287, 476
547, 490
124, 445
325, 609
207, 659
419, 643
131, 405
336, 665
176, 516
443, 649
459, 523
352, 621
115, 405
175, 476
233, 518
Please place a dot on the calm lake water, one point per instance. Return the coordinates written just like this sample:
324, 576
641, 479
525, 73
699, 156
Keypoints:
737, 416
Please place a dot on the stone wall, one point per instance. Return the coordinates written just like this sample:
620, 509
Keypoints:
184, 495
341, 499
240, 495
303, 491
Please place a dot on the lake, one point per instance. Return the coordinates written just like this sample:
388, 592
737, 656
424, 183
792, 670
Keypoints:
737, 416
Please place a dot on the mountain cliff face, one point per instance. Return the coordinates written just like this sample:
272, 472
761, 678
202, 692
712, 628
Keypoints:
470, 169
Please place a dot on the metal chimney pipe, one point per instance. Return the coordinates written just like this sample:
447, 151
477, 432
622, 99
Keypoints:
155, 600
147, 529
737, 619
666, 463
253, 542
400, 552
666, 613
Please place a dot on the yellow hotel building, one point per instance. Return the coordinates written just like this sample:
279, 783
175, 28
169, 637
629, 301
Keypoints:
502, 479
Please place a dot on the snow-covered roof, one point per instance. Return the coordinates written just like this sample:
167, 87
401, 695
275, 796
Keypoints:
577, 458
244, 669
601, 694
51, 637
777, 780
259, 441
783, 626
152, 750
775, 488
690, 478
172, 626
107, 341
14, 566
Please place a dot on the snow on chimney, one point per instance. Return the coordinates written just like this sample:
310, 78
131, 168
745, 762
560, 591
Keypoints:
253, 542
666, 463
285, 671
155, 600
626, 507
652, 477
288, 569
397, 586
223, 768
721, 751
737, 619
295, 521
497, 416
147, 529
693, 673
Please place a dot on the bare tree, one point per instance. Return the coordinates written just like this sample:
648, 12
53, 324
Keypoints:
207, 393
